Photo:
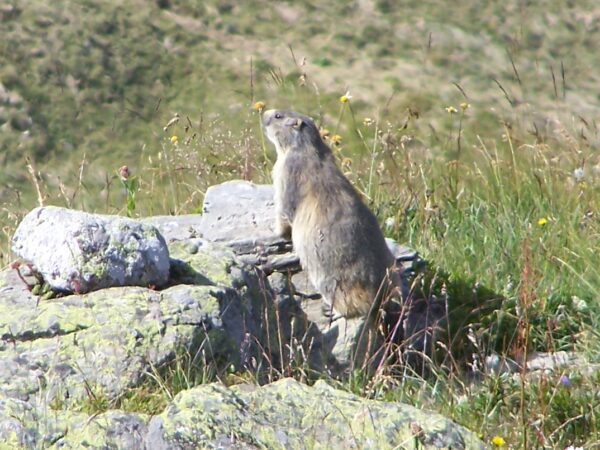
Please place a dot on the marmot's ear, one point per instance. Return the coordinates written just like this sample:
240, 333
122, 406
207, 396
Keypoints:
294, 122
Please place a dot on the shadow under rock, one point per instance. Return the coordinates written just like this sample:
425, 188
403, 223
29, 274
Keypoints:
182, 272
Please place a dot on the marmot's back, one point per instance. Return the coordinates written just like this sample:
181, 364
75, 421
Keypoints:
336, 236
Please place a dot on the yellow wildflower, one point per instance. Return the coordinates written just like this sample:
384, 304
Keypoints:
498, 441
346, 97
451, 109
464, 106
367, 121
174, 139
543, 222
336, 139
259, 106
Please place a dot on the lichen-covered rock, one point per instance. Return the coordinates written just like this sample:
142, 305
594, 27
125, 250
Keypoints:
287, 414
241, 215
27, 426
275, 308
196, 261
107, 341
80, 252
109, 430
284, 414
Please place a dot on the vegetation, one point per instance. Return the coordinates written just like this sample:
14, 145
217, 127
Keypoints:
471, 129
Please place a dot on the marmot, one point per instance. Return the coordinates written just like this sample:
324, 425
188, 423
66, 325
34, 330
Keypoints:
335, 235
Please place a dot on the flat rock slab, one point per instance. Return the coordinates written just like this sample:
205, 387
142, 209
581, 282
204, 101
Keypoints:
238, 209
231, 211
177, 228
79, 252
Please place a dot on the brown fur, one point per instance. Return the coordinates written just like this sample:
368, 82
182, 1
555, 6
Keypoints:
337, 238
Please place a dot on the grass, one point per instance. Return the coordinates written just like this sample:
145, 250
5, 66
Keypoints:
500, 196
508, 225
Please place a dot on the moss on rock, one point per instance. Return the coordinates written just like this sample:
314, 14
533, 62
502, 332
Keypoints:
288, 414
202, 262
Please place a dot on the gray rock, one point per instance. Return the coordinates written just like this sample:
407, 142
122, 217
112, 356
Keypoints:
249, 254
284, 414
232, 211
401, 252
20, 426
539, 363
27, 426
499, 364
109, 430
80, 252
424, 318
287, 414
337, 347
238, 209
107, 341
550, 362
177, 228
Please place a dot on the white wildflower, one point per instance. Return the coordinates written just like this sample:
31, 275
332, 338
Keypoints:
579, 304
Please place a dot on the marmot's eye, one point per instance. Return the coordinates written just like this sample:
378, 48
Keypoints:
278, 116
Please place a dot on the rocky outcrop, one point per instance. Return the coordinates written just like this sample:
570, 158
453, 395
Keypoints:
107, 341
284, 414
236, 299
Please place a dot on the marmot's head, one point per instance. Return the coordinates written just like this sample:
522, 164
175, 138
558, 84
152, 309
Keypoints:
289, 130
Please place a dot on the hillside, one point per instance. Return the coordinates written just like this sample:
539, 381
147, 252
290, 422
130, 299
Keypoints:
101, 79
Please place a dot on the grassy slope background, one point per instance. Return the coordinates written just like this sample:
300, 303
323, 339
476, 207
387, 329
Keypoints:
501, 197
101, 79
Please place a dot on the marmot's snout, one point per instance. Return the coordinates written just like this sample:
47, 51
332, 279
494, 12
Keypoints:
266, 117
